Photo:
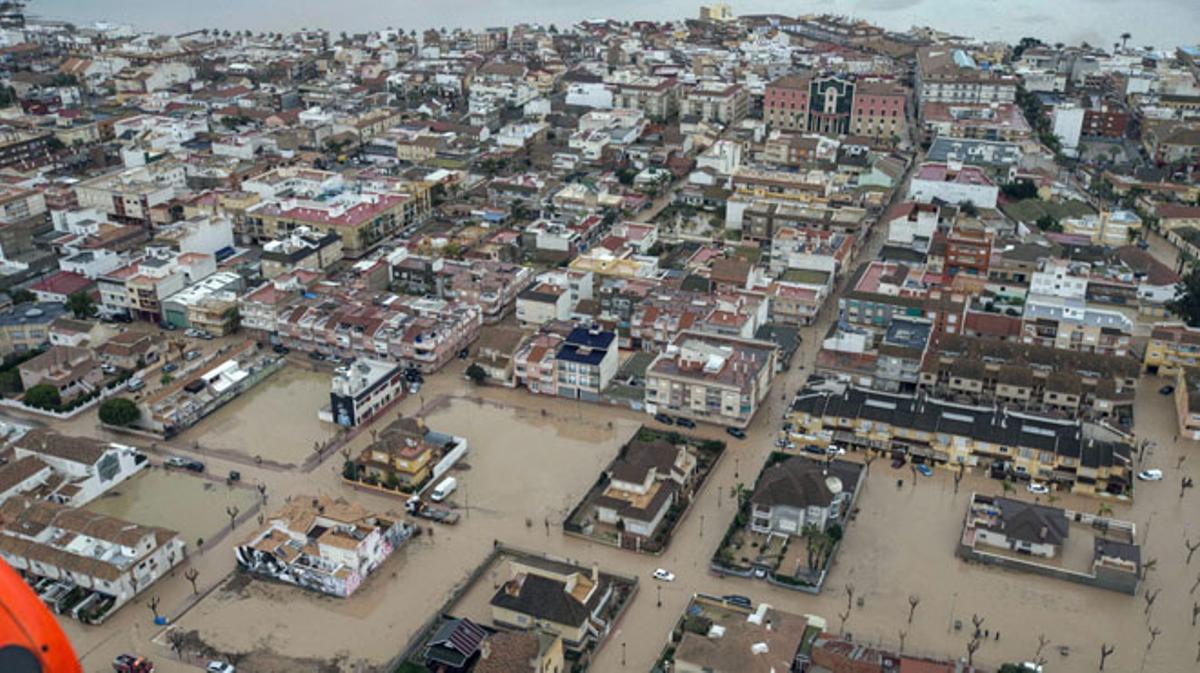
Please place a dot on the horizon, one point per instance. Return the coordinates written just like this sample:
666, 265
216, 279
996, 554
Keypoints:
1159, 21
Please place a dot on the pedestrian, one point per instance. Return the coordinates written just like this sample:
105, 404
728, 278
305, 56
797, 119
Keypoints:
986, 633
997, 635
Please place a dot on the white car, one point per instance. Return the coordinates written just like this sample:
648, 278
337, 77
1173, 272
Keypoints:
1038, 488
1150, 475
220, 667
664, 575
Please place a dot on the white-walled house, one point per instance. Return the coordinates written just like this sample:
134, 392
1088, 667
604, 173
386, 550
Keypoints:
799, 492
110, 559
82, 468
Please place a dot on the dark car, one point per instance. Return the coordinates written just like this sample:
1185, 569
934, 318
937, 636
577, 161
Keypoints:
316, 357
664, 419
737, 433
814, 449
1166, 390
462, 354
897, 462
169, 367
738, 600
281, 349
170, 327
685, 422
234, 475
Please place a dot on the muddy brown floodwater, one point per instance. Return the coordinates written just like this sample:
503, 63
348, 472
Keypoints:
522, 465
276, 419
192, 505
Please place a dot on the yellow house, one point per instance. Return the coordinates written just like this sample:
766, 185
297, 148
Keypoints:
555, 598
399, 454
1172, 347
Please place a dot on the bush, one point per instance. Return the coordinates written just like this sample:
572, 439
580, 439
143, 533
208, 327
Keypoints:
42, 396
10, 381
119, 411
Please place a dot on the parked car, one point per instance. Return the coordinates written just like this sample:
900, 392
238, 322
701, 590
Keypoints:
184, 463
664, 419
191, 355
738, 600
191, 333
167, 326
925, 470
444, 489
315, 356
835, 450
169, 367
234, 475
464, 353
736, 433
1037, 488
414, 388
814, 449
131, 663
135, 384
1150, 475
108, 369
685, 422
664, 575
898, 462
281, 349
1166, 390
219, 667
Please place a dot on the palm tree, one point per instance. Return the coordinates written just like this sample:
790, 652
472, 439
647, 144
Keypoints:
1125, 39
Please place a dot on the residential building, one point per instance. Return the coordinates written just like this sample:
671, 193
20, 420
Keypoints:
743, 640
69, 370
363, 389
798, 493
586, 363
710, 378
953, 183
1073, 325
402, 456
300, 249
109, 559
561, 599
1048, 449
78, 469
643, 483
836, 105
947, 74
715, 101
543, 303
209, 304
322, 544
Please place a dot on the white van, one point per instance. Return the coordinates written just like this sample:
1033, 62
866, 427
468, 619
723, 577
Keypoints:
444, 489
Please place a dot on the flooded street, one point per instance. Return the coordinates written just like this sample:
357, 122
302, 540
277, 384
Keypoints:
277, 419
533, 457
190, 504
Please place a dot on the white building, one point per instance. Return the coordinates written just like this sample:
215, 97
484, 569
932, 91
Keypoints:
111, 560
1059, 278
322, 544
953, 183
363, 389
1067, 125
590, 94
80, 468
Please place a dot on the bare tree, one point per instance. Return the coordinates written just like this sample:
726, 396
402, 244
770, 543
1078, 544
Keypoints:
191, 574
152, 604
843, 616
1154, 633
1195, 612
1150, 597
177, 640
1148, 566
849, 595
972, 646
232, 511
958, 476
903, 634
868, 458
1105, 651
1042, 642
913, 601
978, 622
1191, 549
1195, 585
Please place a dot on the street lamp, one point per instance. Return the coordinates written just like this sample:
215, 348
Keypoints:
622, 654
659, 588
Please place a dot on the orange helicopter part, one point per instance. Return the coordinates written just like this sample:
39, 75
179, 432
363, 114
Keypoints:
31, 641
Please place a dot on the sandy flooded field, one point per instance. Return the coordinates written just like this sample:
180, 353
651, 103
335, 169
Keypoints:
523, 468
192, 505
276, 419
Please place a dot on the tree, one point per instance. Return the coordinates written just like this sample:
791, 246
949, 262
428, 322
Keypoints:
81, 304
1106, 651
969, 208
232, 511
21, 296
119, 411
177, 639
191, 574
152, 604
1125, 39
42, 396
913, 601
10, 381
1048, 223
1186, 303
476, 374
